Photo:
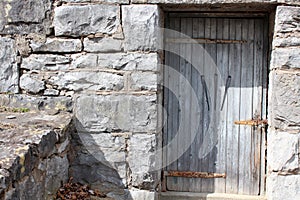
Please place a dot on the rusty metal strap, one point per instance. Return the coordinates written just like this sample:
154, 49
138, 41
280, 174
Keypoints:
189, 174
203, 41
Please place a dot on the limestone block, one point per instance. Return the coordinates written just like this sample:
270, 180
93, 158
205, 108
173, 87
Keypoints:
35, 103
87, 80
98, 1
144, 81
286, 41
97, 113
142, 195
9, 73
84, 61
87, 19
140, 24
142, 147
102, 45
23, 17
57, 45
285, 58
283, 187
31, 83
51, 92
287, 20
46, 62
106, 149
284, 100
118, 61
56, 173
283, 151
99, 159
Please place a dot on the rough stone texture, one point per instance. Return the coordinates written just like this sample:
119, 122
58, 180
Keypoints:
116, 112
30, 165
284, 158
140, 23
84, 20
119, 61
287, 41
141, 148
88, 80
97, 1
144, 81
23, 17
30, 83
283, 187
57, 45
284, 100
286, 58
287, 20
99, 160
142, 195
295, 2
9, 74
102, 45
51, 92
46, 62
37, 103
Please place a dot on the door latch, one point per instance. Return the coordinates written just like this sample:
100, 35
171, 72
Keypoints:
252, 122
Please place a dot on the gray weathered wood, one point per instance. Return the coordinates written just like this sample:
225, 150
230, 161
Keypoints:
240, 151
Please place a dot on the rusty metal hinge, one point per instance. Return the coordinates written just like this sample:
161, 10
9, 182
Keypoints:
189, 174
252, 122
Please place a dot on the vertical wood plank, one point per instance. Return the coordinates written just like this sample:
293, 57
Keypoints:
233, 113
257, 100
196, 61
264, 105
205, 161
172, 182
246, 109
201, 99
222, 63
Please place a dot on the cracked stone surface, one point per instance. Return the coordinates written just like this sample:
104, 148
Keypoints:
33, 154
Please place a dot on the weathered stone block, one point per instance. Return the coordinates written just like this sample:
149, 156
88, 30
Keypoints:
37, 103
287, 20
142, 147
99, 159
96, 113
24, 16
9, 73
144, 81
98, 1
142, 195
286, 41
57, 45
46, 62
140, 24
285, 58
31, 83
284, 100
119, 61
283, 187
56, 173
102, 45
87, 80
84, 20
283, 151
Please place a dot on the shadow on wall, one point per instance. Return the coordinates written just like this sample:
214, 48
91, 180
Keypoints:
97, 161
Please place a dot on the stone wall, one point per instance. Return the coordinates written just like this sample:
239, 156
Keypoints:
103, 57
283, 180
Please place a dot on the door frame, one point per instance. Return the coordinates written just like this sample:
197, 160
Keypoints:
268, 14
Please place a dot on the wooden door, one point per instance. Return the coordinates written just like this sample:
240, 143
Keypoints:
238, 47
